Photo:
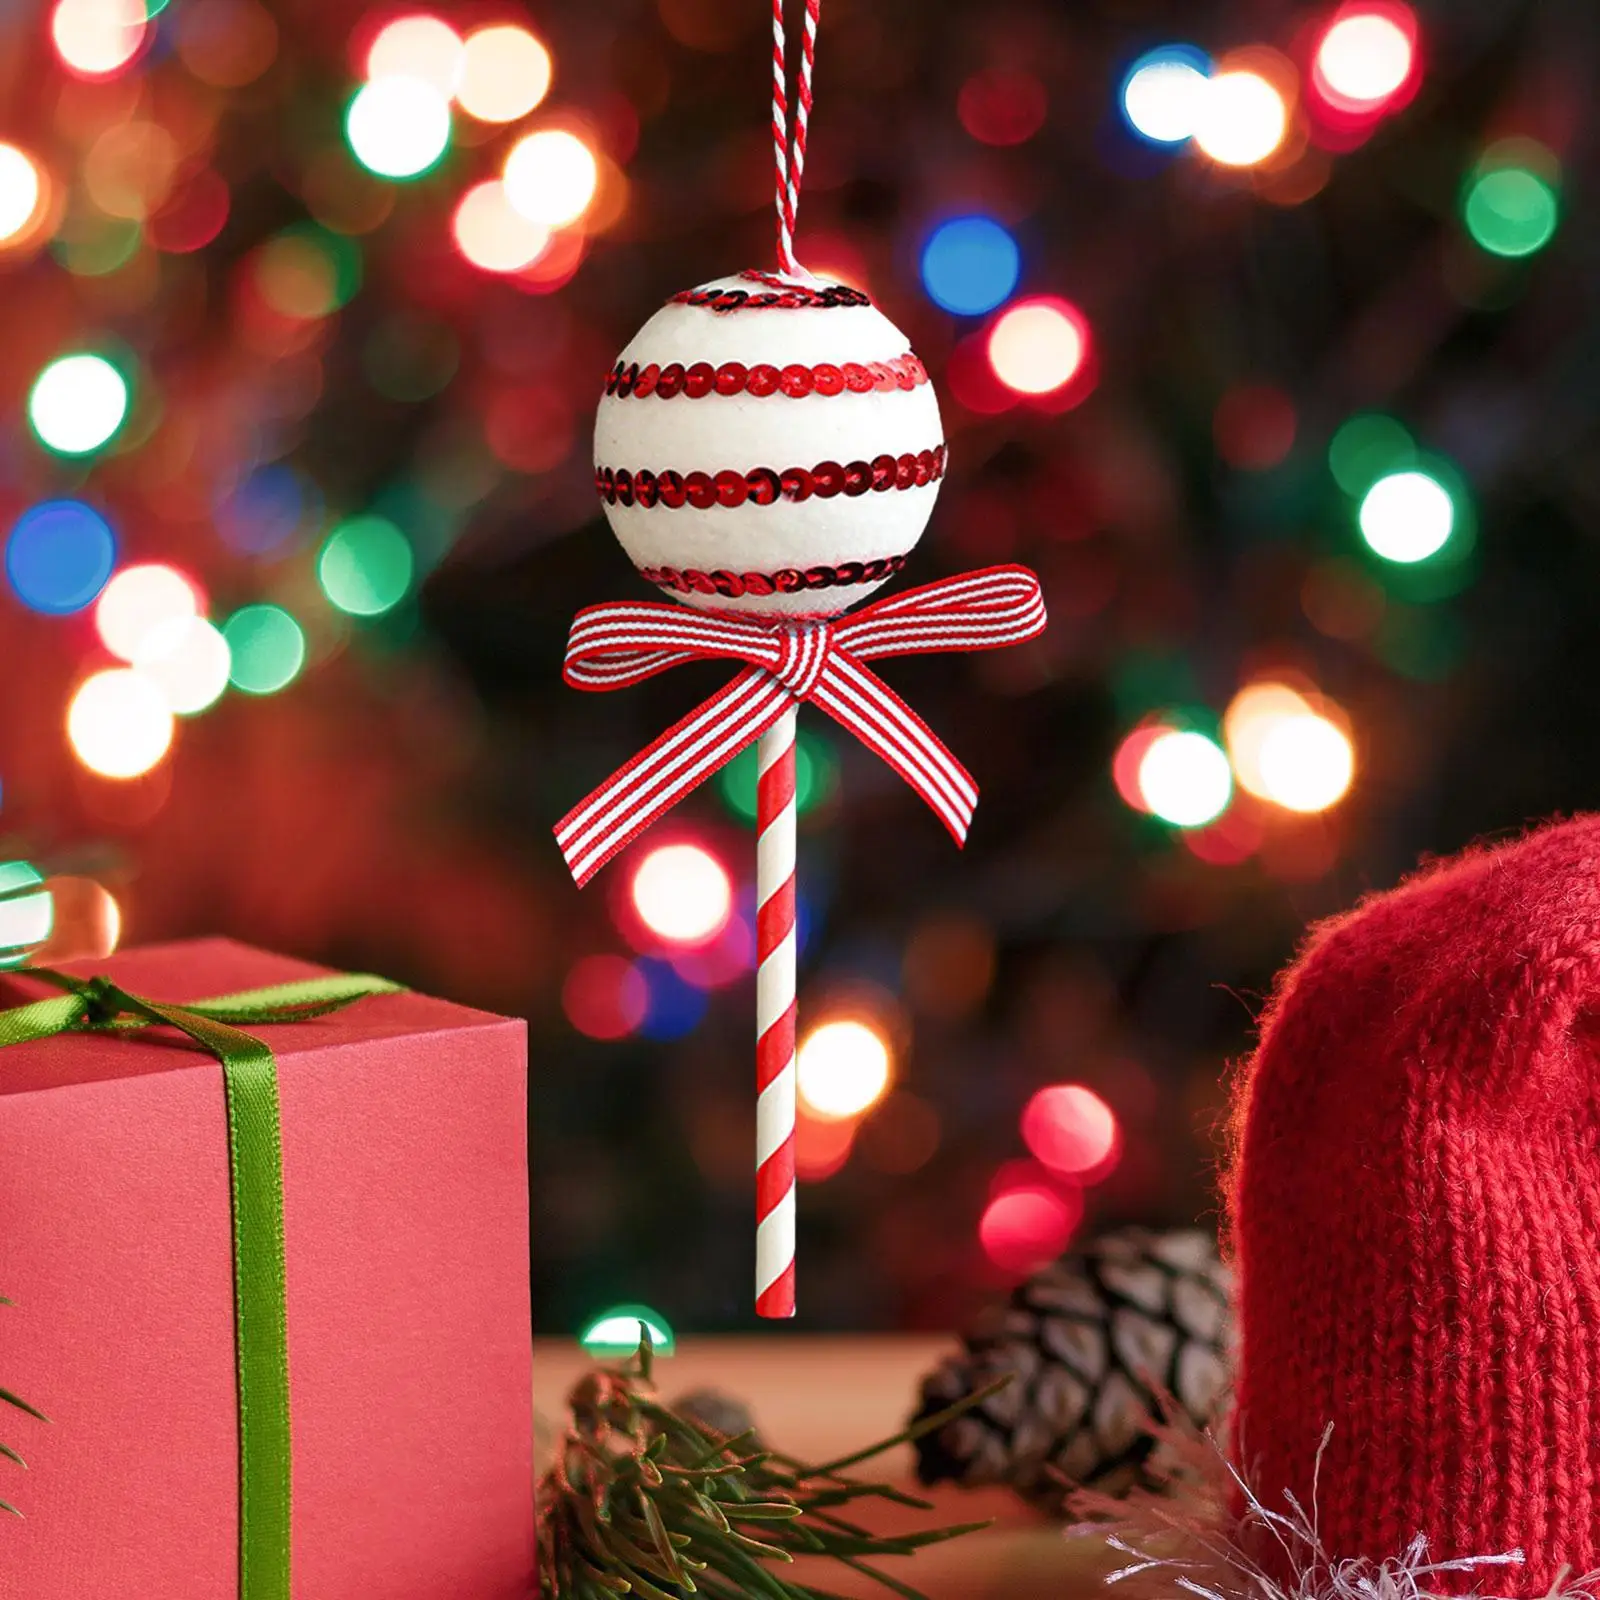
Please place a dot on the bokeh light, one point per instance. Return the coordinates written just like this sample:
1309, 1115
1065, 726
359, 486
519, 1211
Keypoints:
1254, 426
1130, 755
59, 555
1366, 55
1511, 207
842, 1068
674, 1007
1162, 93
267, 648
140, 599
1023, 1229
98, 38
822, 1145
682, 893
1288, 749
365, 566
1307, 763
1252, 713
1241, 120
1071, 1130
505, 73
398, 127
119, 723
492, 234
816, 776
1002, 106
421, 47
970, 265
87, 921
604, 997
1184, 778
1039, 346
1365, 447
77, 403
27, 911
550, 177
188, 660
267, 510
1407, 517
727, 956
307, 271
614, 1334
21, 188
130, 169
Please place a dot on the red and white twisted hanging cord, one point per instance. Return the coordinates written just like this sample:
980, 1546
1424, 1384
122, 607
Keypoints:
790, 165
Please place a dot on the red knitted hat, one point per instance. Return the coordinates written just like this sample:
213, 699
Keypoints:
1416, 1218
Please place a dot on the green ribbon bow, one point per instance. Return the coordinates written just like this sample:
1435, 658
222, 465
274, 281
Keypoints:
255, 1161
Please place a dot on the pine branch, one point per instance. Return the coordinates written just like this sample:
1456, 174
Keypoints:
642, 1501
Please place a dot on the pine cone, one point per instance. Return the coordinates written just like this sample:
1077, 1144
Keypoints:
1096, 1342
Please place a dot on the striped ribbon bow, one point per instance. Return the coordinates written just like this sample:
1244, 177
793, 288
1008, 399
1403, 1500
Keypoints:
614, 646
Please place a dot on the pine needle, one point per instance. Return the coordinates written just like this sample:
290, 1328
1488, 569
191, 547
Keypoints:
646, 1503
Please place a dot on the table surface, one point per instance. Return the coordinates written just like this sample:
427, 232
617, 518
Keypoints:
819, 1397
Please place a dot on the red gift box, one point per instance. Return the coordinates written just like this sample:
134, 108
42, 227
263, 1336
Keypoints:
406, 1229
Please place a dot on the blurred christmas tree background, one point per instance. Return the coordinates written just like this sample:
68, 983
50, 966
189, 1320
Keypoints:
1267, 333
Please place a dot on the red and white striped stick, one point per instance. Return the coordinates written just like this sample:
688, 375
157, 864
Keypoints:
775, 1019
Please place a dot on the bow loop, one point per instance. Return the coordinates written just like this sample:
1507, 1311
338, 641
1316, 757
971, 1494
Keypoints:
613, 646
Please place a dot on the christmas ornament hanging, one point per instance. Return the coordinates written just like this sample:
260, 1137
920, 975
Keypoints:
769, 445
1097, 1343
768, 449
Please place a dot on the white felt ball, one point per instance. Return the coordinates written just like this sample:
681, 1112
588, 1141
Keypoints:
770, 446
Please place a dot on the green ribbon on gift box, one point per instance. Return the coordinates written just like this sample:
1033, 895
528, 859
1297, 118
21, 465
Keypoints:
255, 1162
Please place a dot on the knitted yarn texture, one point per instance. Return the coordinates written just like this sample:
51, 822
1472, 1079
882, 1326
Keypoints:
1415, 1217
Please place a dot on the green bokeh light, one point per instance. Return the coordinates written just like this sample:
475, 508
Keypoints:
1365, 447
1510, 211
366, 566
78, 403
27, 911
267, 646
398, 127
816, 777
615, 1333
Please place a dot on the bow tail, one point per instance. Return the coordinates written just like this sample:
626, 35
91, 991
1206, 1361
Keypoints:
651, 784
866, 706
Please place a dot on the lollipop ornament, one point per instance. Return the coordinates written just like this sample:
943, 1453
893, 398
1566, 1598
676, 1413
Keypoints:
768, 451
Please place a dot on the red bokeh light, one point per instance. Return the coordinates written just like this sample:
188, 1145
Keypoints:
1254, 426
729, 955
193, 217
1001, 107
821, 1146
1365, 64
604, 997
1233, 838
1072, 1131
1125, 763
1024, 1229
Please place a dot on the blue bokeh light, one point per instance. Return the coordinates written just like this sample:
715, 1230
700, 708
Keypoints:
970, 265
267, 511
1160, 94
58, 556
674, 1007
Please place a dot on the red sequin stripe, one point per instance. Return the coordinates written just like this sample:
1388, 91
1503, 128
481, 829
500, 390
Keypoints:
788, 580
762, 486
792, 297
734, 377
